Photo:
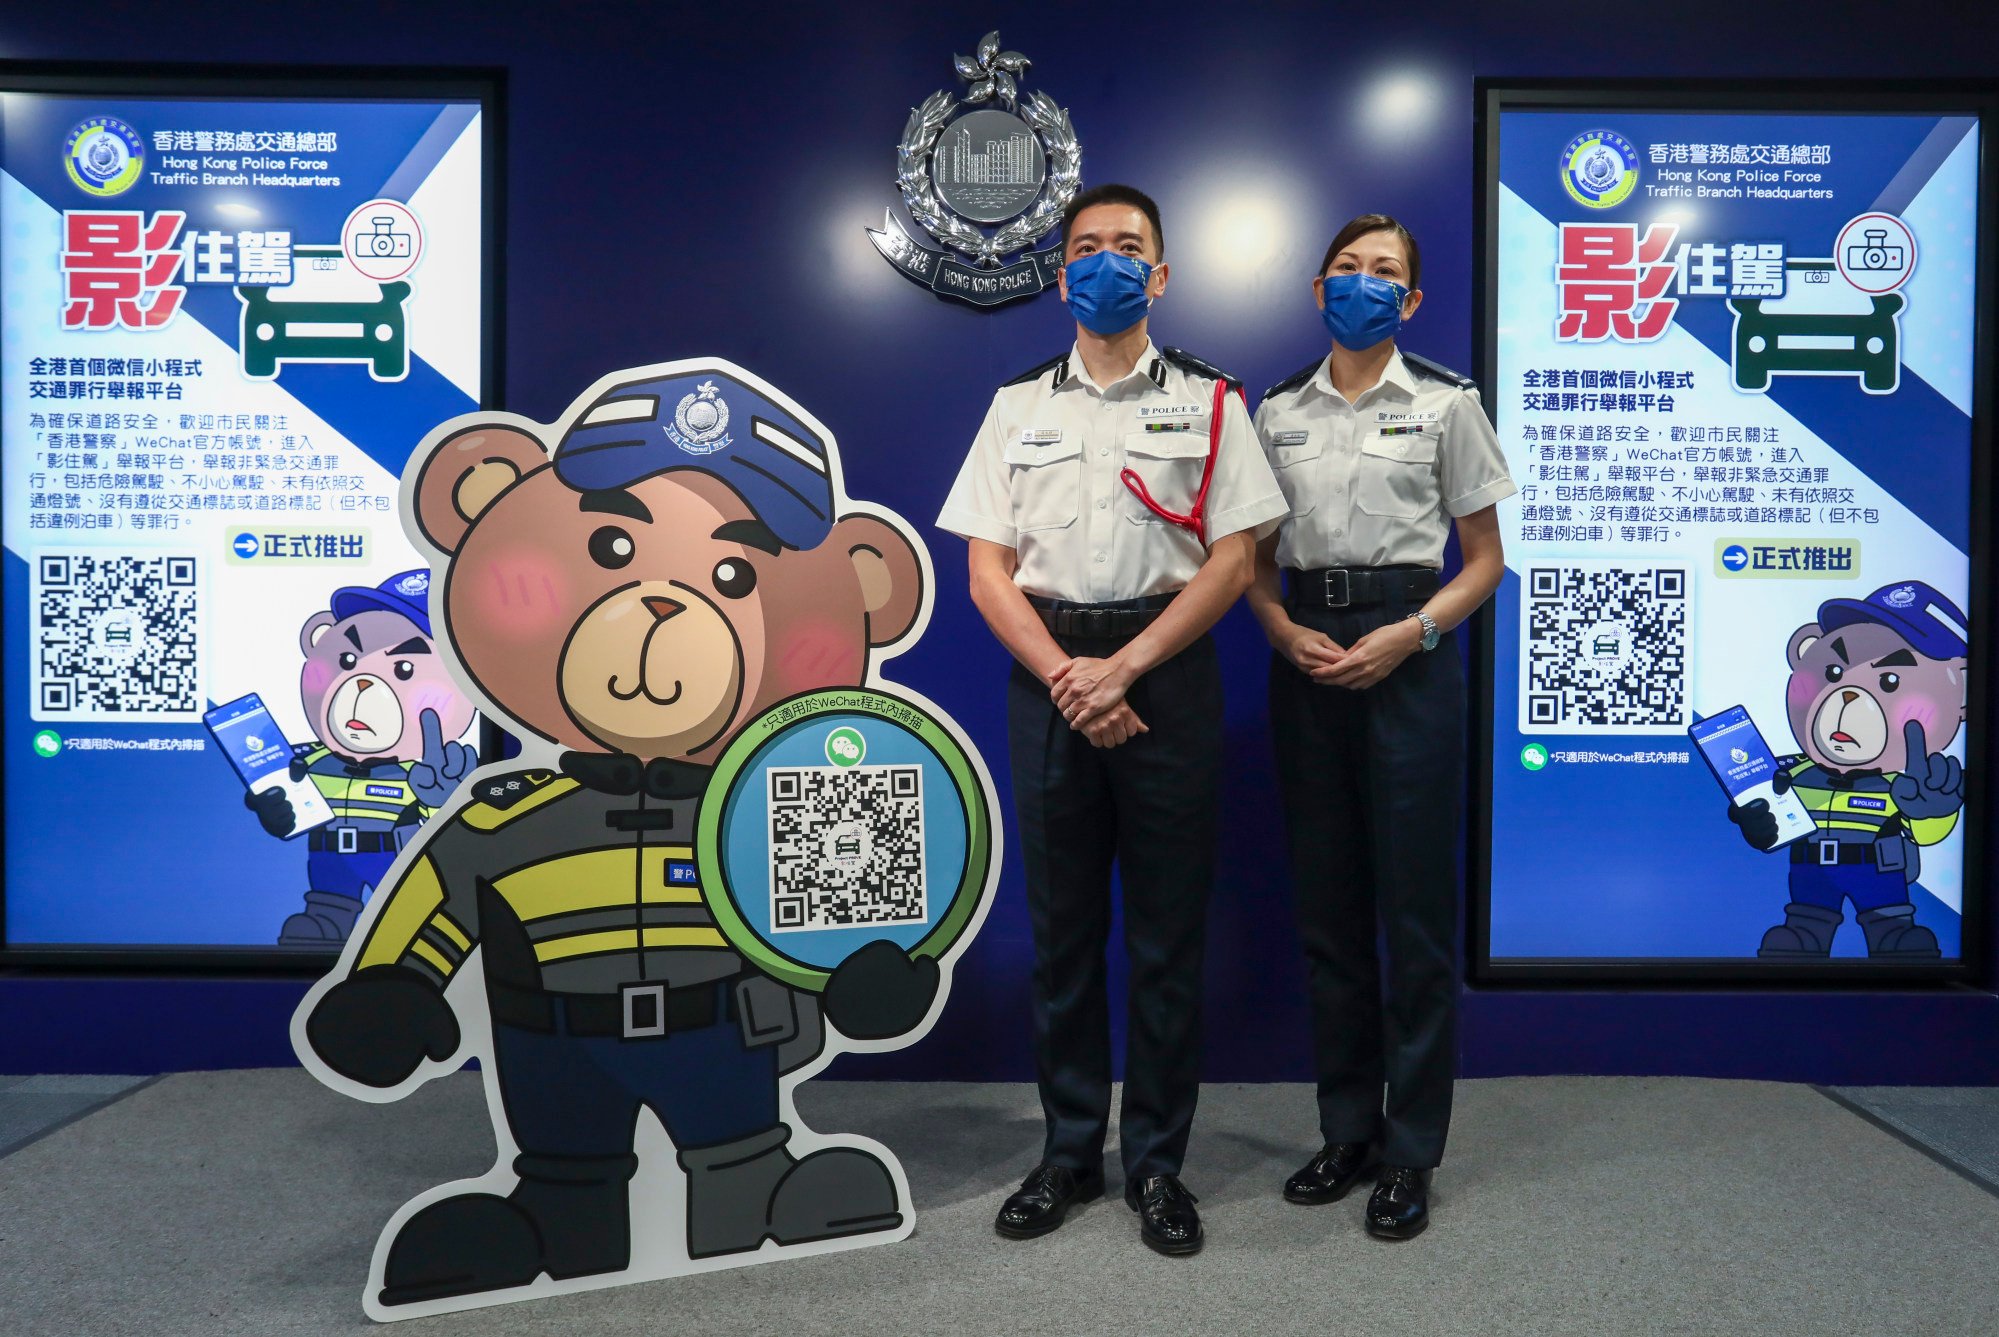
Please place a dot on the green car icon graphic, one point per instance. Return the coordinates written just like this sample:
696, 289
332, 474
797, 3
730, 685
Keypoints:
275, 330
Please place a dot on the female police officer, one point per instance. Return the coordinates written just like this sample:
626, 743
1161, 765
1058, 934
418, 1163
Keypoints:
1377, 451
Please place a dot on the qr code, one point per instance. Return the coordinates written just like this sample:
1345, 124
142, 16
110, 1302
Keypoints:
117, 638
1603, 648
846, 847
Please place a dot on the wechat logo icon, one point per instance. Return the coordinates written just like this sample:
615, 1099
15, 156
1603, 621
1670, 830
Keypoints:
47, 743
845, 746
1534, 756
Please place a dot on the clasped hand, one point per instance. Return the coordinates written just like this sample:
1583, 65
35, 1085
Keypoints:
1363, 664
1090, 695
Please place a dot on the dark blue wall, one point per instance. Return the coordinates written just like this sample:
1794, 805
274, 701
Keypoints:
696, 180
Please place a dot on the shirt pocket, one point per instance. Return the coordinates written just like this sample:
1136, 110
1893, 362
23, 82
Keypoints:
1397, 477
1044, 483
1297, 470
1170, 465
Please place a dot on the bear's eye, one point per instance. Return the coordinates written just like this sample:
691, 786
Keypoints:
405, 670
1890, 681
735, 577
611, 547
348, 659
1833, 673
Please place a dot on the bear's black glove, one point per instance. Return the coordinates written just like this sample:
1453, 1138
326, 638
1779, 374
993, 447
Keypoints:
1758, 823
378, 1024
879, 992
274, 810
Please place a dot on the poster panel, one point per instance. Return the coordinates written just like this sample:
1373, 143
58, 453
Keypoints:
229, 308
1730, 346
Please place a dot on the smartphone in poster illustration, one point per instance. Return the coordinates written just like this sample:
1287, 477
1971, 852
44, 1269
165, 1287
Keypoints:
228, 315
1731, 359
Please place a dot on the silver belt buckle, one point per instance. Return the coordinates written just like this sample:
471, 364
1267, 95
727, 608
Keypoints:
348, 840
644, 1010
1346, 588
1828, 853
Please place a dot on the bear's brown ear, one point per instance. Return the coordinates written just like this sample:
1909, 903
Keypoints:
890, 573
465, 473
315, 627
1801, 640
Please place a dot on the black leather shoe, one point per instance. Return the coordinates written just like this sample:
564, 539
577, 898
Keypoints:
1399, 1207
1167, 1221
1330, 1175
1044, 1199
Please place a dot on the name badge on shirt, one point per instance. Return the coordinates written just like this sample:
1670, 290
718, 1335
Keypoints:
1146, 411
1041, 436
1289, 438
1392, 422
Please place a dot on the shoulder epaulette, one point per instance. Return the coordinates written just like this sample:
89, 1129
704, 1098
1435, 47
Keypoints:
1187, 362
1437, 371
1060, 361
1296, 378
504, 791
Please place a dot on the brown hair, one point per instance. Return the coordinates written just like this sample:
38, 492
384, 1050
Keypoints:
1367, 223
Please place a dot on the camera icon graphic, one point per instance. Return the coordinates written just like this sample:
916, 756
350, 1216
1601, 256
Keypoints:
383, 239
1875, 252
1872, 252
385, 243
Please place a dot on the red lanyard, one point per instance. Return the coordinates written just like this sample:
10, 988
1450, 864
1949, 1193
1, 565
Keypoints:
1196, 519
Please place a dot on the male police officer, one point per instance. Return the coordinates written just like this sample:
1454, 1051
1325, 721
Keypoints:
1115, 704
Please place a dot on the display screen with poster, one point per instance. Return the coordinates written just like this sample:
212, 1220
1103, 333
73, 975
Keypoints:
1730, 341
231, 306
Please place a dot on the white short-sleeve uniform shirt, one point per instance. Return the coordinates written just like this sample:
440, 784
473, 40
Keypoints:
1377, 482
1043, 477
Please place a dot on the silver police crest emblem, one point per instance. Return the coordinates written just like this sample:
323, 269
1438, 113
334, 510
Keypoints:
987, 175
701, 424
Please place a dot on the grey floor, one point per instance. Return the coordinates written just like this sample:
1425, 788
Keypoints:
33, 1107
248, 1202
1958, 1125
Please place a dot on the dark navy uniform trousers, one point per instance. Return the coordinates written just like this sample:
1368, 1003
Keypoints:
1372, 783
1149, 806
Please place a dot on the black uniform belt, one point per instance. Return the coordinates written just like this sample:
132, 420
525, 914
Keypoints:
635, 1012
347, 840
1361, 586
1828, 851
1103, 621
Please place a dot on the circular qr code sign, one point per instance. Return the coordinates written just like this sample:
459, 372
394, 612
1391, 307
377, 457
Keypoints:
839, 818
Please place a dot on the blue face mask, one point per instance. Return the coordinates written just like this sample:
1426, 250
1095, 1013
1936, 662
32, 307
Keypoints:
1107, 291
1362, 310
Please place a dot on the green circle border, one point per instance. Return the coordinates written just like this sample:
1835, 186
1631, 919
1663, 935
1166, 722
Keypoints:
735, 762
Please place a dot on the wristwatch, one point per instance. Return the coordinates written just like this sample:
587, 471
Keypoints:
1430, 632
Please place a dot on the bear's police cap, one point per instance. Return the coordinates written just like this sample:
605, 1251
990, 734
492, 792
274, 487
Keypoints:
705, 419
406, 592
1933, 626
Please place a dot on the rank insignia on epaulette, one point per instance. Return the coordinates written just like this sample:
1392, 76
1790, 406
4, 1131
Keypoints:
507, 790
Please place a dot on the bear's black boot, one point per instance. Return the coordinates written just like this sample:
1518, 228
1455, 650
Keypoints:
1893, 931
1805, 933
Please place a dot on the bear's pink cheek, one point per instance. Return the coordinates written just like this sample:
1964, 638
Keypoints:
515, 597
815, 653
1801, 691
314, 680
1923, 712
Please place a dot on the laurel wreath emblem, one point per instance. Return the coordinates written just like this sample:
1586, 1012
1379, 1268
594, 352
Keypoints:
993, 75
